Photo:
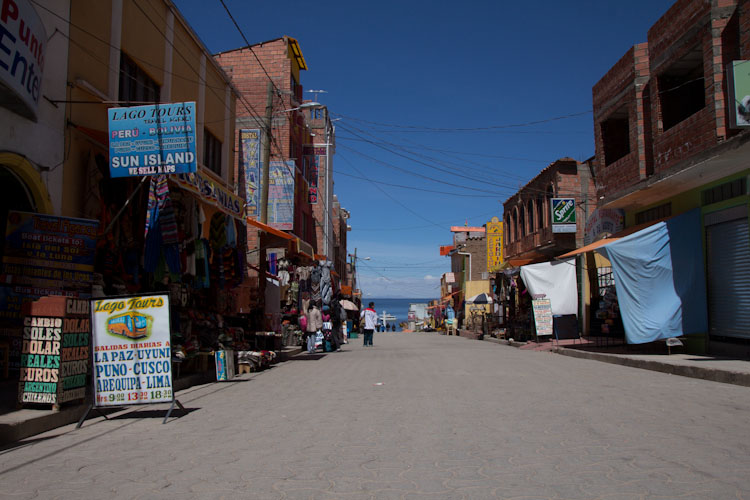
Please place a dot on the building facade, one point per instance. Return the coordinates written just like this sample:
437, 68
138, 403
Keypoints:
529, 234
666, 144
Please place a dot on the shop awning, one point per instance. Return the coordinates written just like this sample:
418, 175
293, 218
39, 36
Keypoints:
589, 247
610, 239
269, 229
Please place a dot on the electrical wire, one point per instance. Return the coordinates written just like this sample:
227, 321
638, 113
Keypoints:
468, 129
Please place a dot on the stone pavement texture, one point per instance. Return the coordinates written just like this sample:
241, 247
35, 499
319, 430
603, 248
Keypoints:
417, 416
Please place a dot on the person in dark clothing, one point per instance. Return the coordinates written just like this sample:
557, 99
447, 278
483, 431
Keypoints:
337, 313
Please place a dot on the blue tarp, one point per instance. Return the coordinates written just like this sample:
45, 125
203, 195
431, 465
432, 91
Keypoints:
660, 279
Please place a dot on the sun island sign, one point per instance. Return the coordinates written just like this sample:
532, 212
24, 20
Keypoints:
23, 41
151, 140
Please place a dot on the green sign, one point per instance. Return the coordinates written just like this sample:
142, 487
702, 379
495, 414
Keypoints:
738, 80
563, 211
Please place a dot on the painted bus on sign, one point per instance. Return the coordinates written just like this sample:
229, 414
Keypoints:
131, 325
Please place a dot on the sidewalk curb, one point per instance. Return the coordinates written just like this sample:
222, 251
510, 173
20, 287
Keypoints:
711, 374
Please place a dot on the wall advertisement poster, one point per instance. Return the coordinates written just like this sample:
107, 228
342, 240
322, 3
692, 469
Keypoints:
132, 351
281, 195
251, 167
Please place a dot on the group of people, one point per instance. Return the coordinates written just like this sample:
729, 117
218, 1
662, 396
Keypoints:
386, 328
330, 322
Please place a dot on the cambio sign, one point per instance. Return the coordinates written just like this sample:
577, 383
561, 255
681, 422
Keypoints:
22, 44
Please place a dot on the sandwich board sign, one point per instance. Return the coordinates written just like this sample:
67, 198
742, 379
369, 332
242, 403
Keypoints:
132, 353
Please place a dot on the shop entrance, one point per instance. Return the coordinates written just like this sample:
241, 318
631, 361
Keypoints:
14, 195
728, 272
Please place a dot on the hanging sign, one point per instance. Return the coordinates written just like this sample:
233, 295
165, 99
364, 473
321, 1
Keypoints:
151, 140
132, 352
542, 316
563, 215
23, 41
251, 165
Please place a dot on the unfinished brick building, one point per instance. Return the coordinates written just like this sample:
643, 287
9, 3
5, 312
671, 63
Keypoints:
667, 142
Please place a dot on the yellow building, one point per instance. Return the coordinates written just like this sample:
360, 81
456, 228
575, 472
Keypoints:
130, 53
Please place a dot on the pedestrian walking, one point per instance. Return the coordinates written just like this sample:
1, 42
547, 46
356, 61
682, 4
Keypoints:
371, 321
314, 324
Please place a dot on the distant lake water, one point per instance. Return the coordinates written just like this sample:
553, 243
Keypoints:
396, 307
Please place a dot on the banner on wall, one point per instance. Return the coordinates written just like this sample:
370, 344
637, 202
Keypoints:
132, 351
250, 167
49, 255
281, 195
211, 192
315, 157
153, 139
604, 221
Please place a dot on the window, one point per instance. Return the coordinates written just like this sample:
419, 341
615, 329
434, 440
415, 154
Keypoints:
616, 136
135, 84
653, 214
522, 223
508, 239
605, 279
681, 88
211, 152
530, 210
515, 224
540, 212
726, 191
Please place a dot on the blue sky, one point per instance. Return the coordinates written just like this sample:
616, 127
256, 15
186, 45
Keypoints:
451, 106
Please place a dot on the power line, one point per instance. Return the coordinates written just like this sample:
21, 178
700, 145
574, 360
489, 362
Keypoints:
412, 188
278, 90
468, 129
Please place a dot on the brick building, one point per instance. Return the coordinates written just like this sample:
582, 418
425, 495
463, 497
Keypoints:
665, 144
528, 217
279, 61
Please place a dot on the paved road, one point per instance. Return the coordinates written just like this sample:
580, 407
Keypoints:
453, 418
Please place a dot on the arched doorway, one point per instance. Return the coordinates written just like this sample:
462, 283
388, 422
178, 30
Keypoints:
21, 188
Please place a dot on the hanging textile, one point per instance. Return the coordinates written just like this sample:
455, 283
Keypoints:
158, 193
660, 280
556, 280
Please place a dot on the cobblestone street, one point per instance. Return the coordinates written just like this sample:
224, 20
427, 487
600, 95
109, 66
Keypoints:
415, 416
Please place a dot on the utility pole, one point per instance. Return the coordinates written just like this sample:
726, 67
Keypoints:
354, 273
266, 154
